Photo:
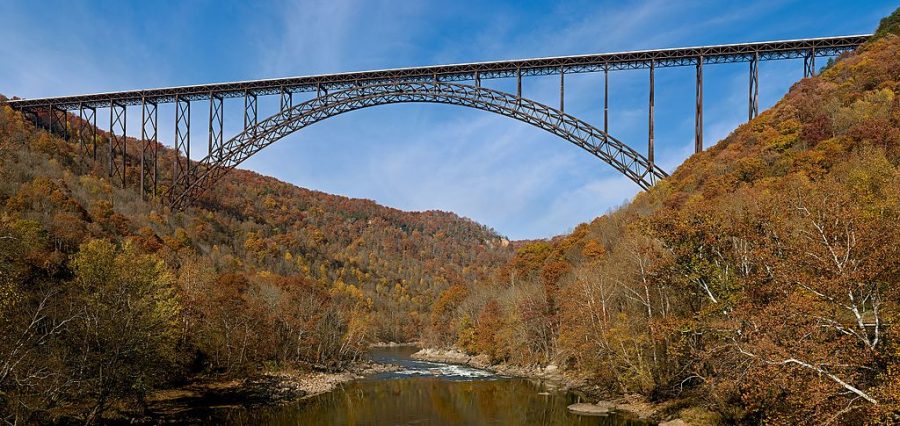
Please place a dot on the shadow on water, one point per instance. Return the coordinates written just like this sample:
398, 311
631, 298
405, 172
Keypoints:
425, 394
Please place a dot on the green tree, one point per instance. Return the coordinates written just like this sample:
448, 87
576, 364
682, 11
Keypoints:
127, 324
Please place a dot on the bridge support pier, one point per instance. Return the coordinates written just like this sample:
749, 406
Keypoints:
809, 64
287, 98
518, 86
698, 112
650, 120
605, 104
216, 124
87, 128
562, 89
250, 117
182, 165
754, 87
117, 143
149, 148
50, 117
62, 119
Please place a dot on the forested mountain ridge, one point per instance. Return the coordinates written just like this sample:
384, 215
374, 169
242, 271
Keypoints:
104, 296
761, 281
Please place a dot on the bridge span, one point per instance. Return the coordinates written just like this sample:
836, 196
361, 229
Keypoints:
342, 92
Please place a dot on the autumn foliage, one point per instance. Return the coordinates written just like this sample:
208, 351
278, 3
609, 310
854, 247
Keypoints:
760, 282
105, 297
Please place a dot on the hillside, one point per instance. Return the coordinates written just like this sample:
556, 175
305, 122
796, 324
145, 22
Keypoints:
759, 284
105, 296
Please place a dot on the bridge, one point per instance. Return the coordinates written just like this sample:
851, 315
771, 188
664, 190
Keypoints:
335, 94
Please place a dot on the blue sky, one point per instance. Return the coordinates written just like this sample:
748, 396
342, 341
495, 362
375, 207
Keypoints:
519, 180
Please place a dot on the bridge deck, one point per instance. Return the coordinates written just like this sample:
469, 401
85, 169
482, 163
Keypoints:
743, 52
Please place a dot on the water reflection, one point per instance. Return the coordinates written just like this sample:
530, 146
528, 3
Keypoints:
424, 393
428, 401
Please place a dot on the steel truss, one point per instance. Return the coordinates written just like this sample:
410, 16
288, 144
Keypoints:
698, 109
87, 129
60, 118
149, 148
753, 104
287, 99
241, 147
117, 141
181, 166
809, 63
250, 111
216, 124
744, 52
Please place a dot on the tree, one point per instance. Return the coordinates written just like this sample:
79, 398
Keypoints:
126, 328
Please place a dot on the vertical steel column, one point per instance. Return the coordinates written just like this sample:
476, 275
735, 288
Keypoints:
477, 79
809, 63
518, 86
698, 112
82, 146
320, 92
287, 98
50, 117
249, 110
562, 89
82, 143
62, 118
149, 147
754, 87
650, 122
87, 128
117, 142
182, 166
606, 103
216, 123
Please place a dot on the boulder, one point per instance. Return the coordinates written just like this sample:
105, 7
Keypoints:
585, 409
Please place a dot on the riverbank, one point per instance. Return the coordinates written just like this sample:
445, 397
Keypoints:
191, 402
633, 405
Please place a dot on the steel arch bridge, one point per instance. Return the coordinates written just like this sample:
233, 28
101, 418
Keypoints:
335, 94
262, 134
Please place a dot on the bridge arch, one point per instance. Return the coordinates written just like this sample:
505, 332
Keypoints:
289, 120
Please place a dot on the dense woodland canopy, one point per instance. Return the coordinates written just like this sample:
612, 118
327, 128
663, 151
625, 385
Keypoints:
104, 296
760, 281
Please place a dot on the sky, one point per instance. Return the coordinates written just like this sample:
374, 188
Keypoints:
522, 181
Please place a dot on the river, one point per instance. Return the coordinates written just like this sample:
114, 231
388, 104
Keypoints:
425, 393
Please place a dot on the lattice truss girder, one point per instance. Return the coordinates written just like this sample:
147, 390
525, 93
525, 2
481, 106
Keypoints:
237, 149
744, 52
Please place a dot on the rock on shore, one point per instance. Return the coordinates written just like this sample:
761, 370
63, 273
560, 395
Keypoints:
598, 409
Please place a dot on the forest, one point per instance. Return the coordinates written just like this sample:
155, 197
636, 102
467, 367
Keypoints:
105, 297
759, 282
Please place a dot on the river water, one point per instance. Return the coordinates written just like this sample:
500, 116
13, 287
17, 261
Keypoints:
426, 393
